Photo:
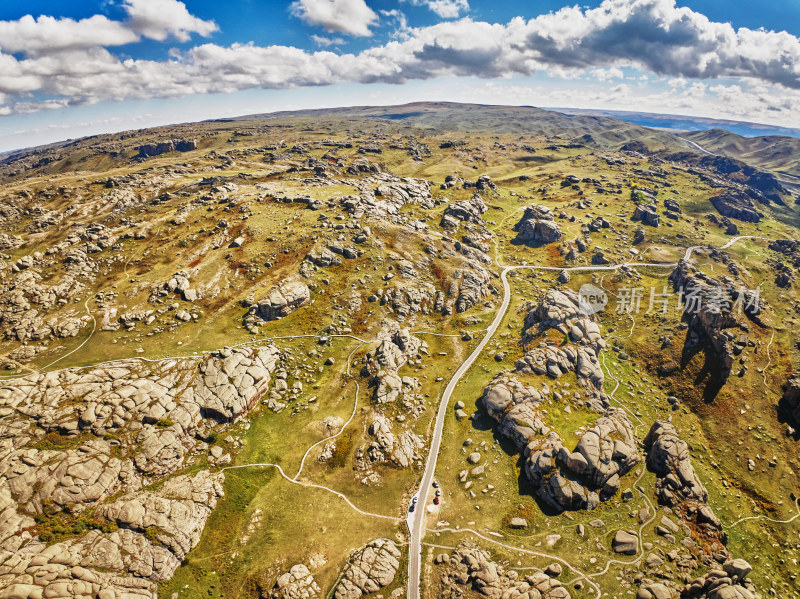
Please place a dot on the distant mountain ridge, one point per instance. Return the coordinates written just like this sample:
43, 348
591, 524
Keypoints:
595, 131
686, 123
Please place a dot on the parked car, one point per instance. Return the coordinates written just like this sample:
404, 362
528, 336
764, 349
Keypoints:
435, 501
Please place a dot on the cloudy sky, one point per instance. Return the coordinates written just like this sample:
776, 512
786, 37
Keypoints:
69, 69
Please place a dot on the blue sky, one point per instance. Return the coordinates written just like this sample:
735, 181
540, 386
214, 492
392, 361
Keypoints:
70, 69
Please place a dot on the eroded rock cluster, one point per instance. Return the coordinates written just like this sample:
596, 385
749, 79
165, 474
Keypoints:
678, 485
537, 225
713, 309
144, 420
471, 568
564, 478
370, 569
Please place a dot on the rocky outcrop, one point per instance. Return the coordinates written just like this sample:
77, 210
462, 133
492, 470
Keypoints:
467, 287
151, 415
406, 191
556, 361
647, 215
737, 205
472, 568
370, 569
555, 310
668, 456
9, 242
580, 479
382, 195
537, 226
155, 411
516, 408
606, 451
564, 480
381, 364
406, 300
297, 583
729, 582
32, 310
178, 283
123, 563
471, 211
656, 590
178, 511
324, 257
712, 307
563, 310
678, 485
164, 147
400, 450
282, 300
790, 400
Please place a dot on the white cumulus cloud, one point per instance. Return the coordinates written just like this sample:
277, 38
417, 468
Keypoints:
344, 16
160, 19
155, 19
446, 9
651, 36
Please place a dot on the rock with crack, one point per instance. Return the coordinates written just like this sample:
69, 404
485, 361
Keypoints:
678, 485
467, 287
282, 300
656, 590
233, 381
178, 510
153, 409
668, 456
647, 214
77, 478
401, 450
297, 583
370, 569
580, 479
556, 361
471, 211
537, 226
9, 242
471, 568
398, 345
516, 408
557, 308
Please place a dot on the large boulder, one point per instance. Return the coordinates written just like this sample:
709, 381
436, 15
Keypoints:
370, 569
790, 401
668, 456
646, 213
471, 210
282, 300
297, 583
537, 226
